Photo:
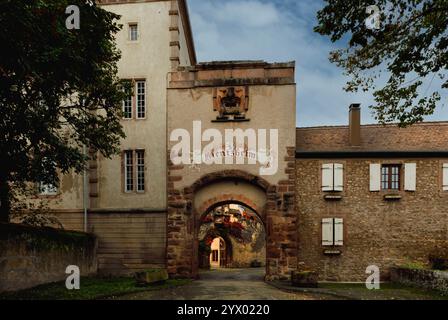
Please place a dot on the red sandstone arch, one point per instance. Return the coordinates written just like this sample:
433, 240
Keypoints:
230, 175
278, 216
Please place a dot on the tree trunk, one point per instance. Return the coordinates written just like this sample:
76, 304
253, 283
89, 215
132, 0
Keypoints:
5, 201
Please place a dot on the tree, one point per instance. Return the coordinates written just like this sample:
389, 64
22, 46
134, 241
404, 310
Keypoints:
59, 91
410, 45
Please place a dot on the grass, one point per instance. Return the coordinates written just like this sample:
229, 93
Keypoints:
91, 289
387, 291
415, 265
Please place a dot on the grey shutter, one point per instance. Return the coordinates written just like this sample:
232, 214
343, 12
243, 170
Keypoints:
410, 176
338, 177
375, 177
445, 177
327, 232
327, 177
338, 232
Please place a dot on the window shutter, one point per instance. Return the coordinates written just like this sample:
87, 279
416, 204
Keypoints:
445, 177
327, 177
410, 176
327, 232
375, 177
338, 232
338, 177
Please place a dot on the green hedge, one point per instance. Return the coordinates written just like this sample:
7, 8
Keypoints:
45, 238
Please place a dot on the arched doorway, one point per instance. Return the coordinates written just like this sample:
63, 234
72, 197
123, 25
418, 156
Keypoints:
274, 205
218, 253
231, 235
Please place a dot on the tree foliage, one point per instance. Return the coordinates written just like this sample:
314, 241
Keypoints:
59, 91
404, 62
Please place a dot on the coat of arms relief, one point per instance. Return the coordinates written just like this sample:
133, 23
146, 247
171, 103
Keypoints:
231, 103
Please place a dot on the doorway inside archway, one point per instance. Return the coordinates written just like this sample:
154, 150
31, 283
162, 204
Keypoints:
218, 257
231, 235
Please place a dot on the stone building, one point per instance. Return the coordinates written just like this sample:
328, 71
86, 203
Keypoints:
203, 135
371, 195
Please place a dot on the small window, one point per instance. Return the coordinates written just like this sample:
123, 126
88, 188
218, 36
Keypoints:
140, 170
141, 99
128, 171
133, 32
47, 189
390, 177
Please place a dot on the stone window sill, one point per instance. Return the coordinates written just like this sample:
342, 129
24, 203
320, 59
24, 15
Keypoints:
392, 197
332, 252
223, 120
332, 197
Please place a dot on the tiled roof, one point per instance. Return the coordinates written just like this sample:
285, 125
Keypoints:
428, 136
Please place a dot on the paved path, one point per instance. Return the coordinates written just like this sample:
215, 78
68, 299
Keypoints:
226, 284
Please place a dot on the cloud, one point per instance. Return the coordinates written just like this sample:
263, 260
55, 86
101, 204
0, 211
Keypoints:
241, 13
277, 31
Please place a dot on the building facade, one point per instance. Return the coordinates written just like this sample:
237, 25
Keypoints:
202, 135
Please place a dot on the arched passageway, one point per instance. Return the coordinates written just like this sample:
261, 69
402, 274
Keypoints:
231, 235
273, 207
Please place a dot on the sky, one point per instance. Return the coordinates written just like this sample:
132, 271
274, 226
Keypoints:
281, 31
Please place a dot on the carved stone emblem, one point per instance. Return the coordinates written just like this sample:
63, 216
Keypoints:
231, 103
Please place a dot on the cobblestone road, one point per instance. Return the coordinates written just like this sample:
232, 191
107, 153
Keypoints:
226, 284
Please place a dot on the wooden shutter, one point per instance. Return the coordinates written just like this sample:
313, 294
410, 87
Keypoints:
327, 232
445, 177
338, 177
410, 176
375, 177
327, 177
338, 232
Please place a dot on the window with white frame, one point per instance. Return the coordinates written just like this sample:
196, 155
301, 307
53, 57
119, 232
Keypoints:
332, 177
390, 176
134, 171
133, 31
445, 177
134, 105
128, 171
332, 232
47, 189
127, 107
140, 154
141, 99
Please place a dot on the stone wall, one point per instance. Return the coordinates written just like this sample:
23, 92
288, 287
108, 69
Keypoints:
428, 279
32, 256
376, 231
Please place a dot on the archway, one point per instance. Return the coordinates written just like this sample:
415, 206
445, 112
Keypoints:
231, 235
274, 205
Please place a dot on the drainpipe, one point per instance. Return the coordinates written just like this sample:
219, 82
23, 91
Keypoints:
85, 190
